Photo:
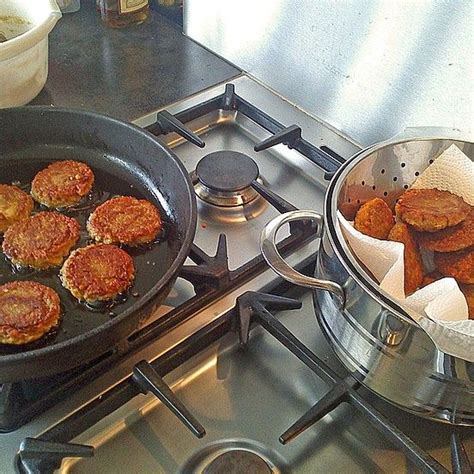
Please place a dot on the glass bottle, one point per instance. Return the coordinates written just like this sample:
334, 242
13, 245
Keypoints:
121, 13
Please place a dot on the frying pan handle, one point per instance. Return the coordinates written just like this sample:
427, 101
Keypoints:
277, 263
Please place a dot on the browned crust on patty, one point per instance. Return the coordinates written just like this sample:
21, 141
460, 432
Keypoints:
459, 265
468, 291
41, 241
15, 205
125, 220
62, 183
28, 310
430, 210
97, 272
451, 239
413, 263
374, 218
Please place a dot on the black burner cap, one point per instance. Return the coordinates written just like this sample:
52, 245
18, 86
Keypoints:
238, 461
227, 171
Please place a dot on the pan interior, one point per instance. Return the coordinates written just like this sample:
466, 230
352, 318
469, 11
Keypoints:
112, 177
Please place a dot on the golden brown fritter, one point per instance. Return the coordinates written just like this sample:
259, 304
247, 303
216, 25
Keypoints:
124, 220
62, 183
430, 210
98, 272
411, 257
468, 291
41, 241
28, 310
459, 265
15, 205
374, 218
451, 239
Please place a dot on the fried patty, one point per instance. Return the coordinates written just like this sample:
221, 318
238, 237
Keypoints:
97, 272
468, 291
28, 310
15, 205
374, 218
41, 241
62, 183
124, 220
451, 239
413, 263
459, 265
430, 210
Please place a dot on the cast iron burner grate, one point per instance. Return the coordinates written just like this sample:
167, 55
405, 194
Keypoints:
224, 178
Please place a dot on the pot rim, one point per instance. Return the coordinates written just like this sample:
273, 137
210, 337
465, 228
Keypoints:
334, 234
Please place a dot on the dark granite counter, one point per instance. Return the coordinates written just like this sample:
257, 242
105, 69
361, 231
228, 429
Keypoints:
125, 73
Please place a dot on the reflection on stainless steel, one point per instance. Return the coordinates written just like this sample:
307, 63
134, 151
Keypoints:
369, 68
232, 214
391, 330
226, 198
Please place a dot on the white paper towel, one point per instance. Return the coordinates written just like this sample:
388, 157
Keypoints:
452, 171
441, 301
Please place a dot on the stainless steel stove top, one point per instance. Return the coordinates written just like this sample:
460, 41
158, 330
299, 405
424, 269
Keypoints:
244, 397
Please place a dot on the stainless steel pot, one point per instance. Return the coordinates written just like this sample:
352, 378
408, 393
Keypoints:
385, 349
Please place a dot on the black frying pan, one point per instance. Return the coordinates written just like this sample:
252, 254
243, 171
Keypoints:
126, 160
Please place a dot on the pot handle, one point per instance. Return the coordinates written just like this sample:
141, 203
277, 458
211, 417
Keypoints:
278, 264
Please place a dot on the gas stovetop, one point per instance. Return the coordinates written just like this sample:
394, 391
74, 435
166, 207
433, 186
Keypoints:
211, 382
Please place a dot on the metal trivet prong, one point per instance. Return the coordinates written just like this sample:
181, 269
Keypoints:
37, 456
254, 307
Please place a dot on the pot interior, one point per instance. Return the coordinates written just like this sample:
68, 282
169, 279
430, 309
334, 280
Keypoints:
388, 170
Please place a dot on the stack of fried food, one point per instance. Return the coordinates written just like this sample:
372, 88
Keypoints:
440, 223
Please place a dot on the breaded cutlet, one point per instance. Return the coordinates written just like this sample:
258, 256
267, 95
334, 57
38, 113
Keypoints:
28, 310
41, 241
125, 220
62, 183
15, 205
97, 272
374, 218
413, 263
451, 239
459, 265
430, 210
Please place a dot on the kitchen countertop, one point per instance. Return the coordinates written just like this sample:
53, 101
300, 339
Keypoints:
125, 73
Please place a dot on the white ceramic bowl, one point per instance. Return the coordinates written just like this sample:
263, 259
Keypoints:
24, 57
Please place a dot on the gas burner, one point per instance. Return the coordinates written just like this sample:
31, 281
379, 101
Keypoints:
233, 457
236, 461
224, 179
